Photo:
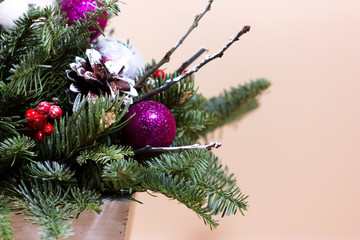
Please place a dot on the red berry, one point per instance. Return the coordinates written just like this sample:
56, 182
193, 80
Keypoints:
159, 73
55, 112
39, 122
43, 108
31, 114
48, 129
40, 136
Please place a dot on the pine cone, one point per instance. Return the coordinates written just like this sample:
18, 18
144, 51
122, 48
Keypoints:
95, 78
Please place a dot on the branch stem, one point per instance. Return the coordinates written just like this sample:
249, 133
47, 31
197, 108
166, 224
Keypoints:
205, 61
191, 60
207, 147
167, 56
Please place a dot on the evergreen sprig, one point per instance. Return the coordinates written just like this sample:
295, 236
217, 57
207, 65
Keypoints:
83, 129
49, 170
16, 149
46, 204
232, 105
6, 230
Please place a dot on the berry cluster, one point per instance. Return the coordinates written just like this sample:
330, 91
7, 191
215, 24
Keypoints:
37, 124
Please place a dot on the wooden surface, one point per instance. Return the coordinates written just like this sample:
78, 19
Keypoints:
109, 224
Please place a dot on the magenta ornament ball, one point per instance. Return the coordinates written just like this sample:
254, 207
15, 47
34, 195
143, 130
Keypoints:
153, 124
75, 10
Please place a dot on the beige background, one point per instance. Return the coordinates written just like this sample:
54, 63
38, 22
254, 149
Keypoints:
297, 156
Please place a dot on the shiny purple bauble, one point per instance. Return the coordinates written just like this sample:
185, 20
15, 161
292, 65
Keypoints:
153, 124
75, 9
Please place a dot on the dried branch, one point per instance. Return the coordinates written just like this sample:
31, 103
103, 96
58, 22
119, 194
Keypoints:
190, 61
166, 58
207, 147
207, 59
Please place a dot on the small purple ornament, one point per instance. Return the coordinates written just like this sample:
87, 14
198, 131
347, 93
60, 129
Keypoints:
75, 9
153, 125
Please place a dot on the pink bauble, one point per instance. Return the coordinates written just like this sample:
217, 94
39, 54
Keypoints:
153, 124
75, 9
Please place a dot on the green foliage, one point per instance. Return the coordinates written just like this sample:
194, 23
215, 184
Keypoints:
46, 204
85, 199
193, 122
188, 164
15, 149
83, 129
176, 96
104, 154
8, 126
49, 170
234, 104
6, 231
123, 174
198, 180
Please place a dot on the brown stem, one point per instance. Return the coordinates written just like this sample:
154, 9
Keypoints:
207, 147
206, 60
167, 56
191, 60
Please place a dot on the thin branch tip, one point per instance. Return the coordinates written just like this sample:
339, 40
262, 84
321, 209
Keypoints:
206, 60
167, 56
207, 147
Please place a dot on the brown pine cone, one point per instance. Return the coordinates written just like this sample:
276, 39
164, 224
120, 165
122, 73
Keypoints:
93, 78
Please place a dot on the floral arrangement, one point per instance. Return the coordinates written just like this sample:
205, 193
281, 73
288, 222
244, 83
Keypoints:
83, 117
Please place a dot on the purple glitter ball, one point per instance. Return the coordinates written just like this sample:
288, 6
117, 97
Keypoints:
75, 9
153, 125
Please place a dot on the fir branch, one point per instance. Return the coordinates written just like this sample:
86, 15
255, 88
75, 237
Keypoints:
9, 125
212, 192
186, 192
207, 59
167, 56
49, 170
6, 230
15, 149
26, 76
218, 171
85, 199
103, 154
174, 186
223, 195
192, 122
123, 174
232, 105
188, 164
72, 135
47, 206
177, 95
15, 42
207, 147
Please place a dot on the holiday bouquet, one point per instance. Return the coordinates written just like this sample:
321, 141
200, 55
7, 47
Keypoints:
83, 117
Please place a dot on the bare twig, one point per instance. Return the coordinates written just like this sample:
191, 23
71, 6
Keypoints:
206, 60
166, 58
190, 61
207, 147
